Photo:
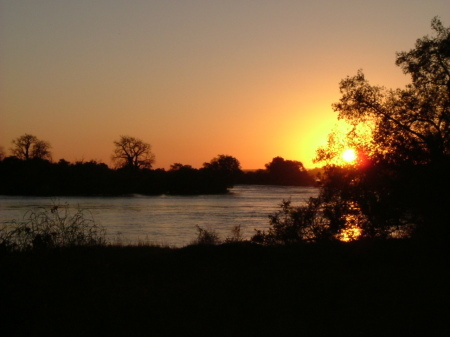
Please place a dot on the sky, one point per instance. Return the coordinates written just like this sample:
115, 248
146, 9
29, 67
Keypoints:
253, 79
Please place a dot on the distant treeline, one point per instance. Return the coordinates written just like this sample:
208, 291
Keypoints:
42, 177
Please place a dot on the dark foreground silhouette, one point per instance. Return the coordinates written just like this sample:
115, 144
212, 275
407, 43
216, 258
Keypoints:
389, 288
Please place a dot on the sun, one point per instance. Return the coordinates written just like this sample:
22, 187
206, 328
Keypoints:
349, 155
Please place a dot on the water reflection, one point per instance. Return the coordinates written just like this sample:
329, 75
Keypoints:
172, 219
353, 221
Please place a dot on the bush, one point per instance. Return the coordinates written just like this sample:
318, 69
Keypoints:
206, 237
291, 225
51, 227
236, 235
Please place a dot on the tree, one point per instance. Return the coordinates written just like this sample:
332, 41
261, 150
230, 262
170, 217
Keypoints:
409, 148
30, 147
2, 153
224, 163
132, 153
287, 172
183, 179
409, 124
221, 173
227, 167
179, 167
41, 150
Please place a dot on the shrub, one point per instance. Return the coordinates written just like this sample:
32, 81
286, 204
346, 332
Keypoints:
291, 225
236, 235
52, 227
206, 237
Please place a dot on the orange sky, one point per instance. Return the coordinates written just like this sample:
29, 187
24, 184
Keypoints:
251, 79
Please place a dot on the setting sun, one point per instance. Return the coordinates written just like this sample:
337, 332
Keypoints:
349, 155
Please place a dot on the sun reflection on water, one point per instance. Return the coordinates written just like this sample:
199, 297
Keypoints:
350, 234
352, 230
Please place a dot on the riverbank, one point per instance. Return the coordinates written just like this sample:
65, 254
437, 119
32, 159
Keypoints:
170, 220
377, 289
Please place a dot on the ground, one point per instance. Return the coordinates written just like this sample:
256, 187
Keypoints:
364, 289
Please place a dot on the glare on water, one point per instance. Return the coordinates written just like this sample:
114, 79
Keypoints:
352, 230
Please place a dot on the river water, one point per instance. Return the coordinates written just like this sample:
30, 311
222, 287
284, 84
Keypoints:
171, 220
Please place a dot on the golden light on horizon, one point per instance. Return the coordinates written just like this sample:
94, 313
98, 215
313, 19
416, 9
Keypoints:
194, 81
349, 156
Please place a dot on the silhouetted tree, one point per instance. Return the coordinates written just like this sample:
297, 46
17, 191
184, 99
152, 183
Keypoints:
2, 153
287, 172
405, 177
179, 166
221, 172
28, 147
183, 179
410, 124
224, 163
132, 152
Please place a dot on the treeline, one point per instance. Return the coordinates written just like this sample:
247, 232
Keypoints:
30, 171
37, 176
279, 172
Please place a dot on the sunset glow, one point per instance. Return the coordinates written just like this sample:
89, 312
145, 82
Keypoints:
193, 78
349, 156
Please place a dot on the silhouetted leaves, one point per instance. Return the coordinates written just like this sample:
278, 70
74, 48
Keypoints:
30, 147
41, 177
132, 152
279, 172
402, 186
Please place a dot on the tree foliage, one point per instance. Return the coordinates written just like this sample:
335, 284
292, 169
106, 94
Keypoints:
226, 164
292, 225
221, 172
287, 172
405, 176
410, 124
279, 171
132, 152
41, 177
30, 147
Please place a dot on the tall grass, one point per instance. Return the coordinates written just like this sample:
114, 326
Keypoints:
51, 227
208, 236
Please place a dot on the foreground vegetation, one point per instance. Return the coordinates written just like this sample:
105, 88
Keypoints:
389, 288
400, 182
60, 277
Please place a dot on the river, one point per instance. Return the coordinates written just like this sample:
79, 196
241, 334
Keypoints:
167, 219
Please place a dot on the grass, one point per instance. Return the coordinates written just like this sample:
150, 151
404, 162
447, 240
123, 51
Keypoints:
238, 289
59, 277
56, 226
